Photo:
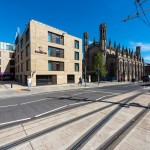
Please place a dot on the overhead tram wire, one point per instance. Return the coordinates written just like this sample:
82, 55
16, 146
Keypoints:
138, 4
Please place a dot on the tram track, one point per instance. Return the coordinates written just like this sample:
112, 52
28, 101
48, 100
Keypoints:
60, 125
79, 143
115, 139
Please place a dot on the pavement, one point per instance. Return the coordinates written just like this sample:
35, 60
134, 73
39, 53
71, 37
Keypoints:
9, 89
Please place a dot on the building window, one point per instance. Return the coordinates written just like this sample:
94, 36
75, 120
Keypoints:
27, 65
21, 43
0, 69
49, 66
0, 54
27, 50
55, 66
21, 67
57, 52
0, 61
18, 68
49, 51
18, 58
21, 55
27, 35
12, 70
76, 55
11, 62
49, 37
11, 55
76, 67
76, 44
57, 39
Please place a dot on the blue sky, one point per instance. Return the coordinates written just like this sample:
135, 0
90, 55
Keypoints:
78, 16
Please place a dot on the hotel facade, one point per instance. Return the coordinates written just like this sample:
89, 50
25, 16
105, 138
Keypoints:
48, 55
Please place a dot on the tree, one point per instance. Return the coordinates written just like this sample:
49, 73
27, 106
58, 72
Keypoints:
99, 64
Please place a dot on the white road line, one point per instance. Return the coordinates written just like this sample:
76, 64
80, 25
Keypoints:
100, 98
35, 101
25, 103
5, 123
78, 103
51, 111
8, 106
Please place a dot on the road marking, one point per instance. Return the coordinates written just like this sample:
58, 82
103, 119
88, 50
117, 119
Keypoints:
51, 111
78, 103
25, 103
35, 101
5, 123
8, 106
102, 97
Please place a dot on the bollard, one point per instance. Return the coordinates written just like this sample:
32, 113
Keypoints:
11, 85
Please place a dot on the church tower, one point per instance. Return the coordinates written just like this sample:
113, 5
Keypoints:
138, 51
103, 37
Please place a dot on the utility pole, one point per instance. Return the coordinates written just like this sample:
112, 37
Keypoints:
85, 75
97, 71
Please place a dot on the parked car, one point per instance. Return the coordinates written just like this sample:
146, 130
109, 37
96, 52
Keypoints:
146, 78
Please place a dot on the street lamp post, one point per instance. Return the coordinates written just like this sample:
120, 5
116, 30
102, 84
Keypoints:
85, 75
97, 71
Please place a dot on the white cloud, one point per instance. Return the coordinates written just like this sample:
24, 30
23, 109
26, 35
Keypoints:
145, 47
147, 58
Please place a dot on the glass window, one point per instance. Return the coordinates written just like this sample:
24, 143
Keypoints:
49, 37
21, 43
76, 55
12, 62
57, 39
18, 68
0, 54
27, 51
76, 44
0, 69
27, 65
21, 55
18, 58
76, 67
49, 65
49, 51
57, 52
57, 66
11, 55
21, 67
27, 35
0, 61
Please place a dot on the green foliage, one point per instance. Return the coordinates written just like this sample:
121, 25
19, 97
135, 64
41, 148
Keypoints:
99, 64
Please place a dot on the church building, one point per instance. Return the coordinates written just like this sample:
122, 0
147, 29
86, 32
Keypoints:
121, 63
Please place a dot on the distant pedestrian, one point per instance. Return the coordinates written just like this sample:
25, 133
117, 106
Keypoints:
80, 81
29, 82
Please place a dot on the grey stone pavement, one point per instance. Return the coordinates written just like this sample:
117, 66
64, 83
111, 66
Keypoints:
6, 90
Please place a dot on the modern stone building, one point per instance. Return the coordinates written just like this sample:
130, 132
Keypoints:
48, 55
7, 61
121, 63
